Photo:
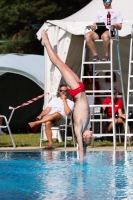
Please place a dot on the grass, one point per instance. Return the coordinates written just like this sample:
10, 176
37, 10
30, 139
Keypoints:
21, 140
27, 140
33, 139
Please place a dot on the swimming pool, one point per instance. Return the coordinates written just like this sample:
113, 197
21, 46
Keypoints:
57, 176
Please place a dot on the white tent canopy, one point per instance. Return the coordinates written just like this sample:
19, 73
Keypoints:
21, 79
75, 24
66, 37
30, 66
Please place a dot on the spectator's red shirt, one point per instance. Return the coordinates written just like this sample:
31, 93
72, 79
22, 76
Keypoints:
117, 105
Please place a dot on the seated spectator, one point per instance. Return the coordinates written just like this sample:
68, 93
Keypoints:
117, 110
96, 33
55, 114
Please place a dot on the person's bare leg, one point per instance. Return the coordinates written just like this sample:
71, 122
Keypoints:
120, 120
124, 124
129, 137
117, 121
48, 126
110, 127
66, 72
106, 42
52, 117
128, 128
90, 37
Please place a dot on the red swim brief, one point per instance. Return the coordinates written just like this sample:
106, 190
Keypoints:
76, 91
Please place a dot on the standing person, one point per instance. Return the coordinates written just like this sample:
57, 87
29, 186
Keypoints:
55, 113
114, 20
81, 110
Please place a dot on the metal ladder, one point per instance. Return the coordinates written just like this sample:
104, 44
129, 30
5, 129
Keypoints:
95, 73
129, 90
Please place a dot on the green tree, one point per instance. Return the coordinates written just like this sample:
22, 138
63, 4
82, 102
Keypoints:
13, 17
16, 14
23, 42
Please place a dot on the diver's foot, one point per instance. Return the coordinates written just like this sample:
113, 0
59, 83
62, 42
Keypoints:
44, 37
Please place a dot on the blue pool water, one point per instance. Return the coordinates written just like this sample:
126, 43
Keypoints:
57, 176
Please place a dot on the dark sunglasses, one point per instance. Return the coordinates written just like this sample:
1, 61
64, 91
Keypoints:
108, 1
63, 90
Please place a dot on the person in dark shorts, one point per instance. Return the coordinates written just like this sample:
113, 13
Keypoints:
103, 33
99, 32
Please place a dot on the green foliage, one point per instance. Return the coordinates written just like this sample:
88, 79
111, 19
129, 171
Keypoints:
16, 14
13, 17
24, 42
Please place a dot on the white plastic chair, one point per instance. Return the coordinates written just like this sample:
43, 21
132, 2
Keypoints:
7, 126
57, 130
66, 126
